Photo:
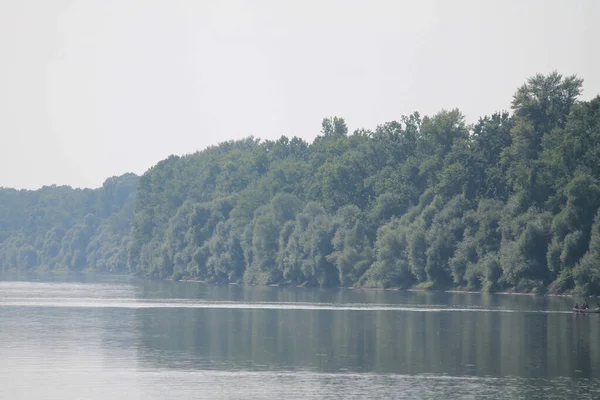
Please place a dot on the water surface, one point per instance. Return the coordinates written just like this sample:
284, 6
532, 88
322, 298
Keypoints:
120, 338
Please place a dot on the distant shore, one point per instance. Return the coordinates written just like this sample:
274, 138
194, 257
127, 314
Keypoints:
399, 289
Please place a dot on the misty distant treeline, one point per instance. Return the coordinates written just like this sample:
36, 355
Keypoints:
508, 203
60, 228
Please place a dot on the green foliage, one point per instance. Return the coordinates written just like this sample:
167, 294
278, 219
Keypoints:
391, 267
508, 203
586, 273
58, 228
352, 254
304, 257
546, 100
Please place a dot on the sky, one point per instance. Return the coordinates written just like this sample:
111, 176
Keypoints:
96, 88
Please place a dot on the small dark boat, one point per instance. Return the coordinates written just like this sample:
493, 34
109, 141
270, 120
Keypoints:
587, 310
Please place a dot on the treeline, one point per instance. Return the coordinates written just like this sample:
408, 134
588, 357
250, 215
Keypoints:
61, 228
510, 202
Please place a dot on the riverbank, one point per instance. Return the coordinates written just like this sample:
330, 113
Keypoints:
417, 288
423, 287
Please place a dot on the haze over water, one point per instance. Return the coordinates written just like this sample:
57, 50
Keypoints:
125, 339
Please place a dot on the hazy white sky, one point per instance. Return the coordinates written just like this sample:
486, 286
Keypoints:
95, 88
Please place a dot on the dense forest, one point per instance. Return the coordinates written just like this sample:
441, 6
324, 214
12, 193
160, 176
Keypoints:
510, 202
59, 228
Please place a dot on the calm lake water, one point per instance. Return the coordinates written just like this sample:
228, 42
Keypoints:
120, 338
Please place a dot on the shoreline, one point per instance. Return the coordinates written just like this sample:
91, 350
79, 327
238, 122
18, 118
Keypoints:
366, 288
395, 289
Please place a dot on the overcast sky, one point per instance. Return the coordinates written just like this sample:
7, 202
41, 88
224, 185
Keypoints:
95, 88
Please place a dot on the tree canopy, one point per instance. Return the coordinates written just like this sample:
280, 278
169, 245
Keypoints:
510, 202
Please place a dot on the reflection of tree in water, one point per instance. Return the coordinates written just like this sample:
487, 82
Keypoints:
582, 326
455, 343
